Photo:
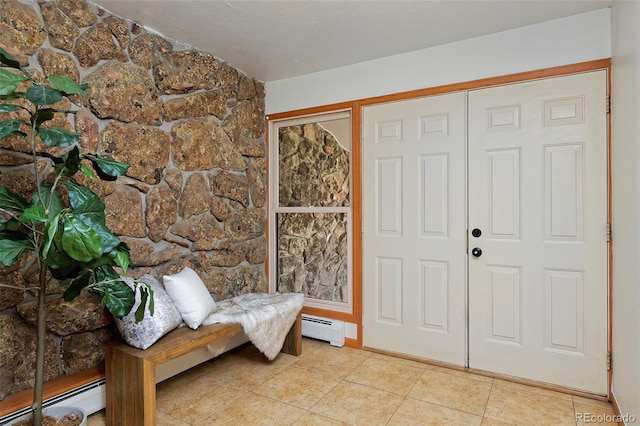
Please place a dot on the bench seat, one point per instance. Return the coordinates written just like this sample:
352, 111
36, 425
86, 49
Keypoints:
131, 373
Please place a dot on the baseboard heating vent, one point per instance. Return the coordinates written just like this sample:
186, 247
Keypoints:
325, 329
90, 397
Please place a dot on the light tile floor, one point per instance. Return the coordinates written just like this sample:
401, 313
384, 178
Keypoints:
338, 386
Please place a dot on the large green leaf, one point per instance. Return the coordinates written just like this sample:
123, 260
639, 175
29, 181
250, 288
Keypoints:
9, 107
8, 127
103, 261
13, 96
10, 250
43, 95
9, 226
50, 232
79, 195
61, 266
11, 201
50, 200
87, 172
89, 208
7, 59
41, 116
106, 273
107, 239
80, 241
77, 286
58, 137
9, 82
53, 158
33, 214
70, 163
22, 234
118, 297
66, 85
106, 168
121, 256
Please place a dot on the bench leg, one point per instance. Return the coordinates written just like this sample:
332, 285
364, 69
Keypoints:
293, 342
130, 389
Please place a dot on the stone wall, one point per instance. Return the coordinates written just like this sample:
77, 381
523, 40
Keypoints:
192, 129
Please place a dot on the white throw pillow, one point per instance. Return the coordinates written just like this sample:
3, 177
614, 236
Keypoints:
190, 295
152, 327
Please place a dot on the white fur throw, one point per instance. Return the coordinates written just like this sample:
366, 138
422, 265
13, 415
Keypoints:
265, 317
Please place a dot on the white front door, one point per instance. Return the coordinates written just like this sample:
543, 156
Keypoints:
414, 208
533, 304
538, 196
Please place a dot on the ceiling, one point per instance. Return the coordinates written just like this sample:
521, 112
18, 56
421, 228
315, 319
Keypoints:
272, 40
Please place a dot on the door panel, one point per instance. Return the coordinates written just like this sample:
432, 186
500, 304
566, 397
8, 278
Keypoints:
537, 186
414, 231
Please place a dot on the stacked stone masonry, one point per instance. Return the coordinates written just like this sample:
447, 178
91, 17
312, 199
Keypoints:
192, 129
312, 247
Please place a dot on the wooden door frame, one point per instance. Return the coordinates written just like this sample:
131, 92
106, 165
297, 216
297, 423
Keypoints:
355, 317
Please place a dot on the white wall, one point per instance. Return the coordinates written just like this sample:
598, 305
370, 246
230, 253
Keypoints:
569, 40
625, 115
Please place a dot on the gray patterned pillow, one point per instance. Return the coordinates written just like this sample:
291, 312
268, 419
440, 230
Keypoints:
165, 317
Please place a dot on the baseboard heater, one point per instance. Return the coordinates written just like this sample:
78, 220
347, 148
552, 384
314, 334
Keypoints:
90, 397
329, 330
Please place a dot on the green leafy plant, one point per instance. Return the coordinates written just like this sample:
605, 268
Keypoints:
63, 224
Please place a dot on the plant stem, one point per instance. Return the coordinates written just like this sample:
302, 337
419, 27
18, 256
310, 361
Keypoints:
41, 346
35, 160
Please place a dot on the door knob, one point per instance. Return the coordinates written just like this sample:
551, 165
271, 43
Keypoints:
476, 232
476, 252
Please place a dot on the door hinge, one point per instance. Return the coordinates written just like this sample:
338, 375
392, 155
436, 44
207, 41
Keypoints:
608, 232
608, 104
608, 361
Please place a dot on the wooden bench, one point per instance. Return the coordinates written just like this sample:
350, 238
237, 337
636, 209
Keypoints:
131, 373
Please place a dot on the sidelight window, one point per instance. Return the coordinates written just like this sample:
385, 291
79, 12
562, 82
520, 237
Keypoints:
310, 211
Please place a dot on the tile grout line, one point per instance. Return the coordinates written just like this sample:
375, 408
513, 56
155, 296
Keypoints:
484, 412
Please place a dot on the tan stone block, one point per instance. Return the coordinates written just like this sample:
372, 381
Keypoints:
198, 105
161, 212
21, 27
185, 71
143, 48
79, 11
123, 212
195, 196
123, 92
257, 175
247, 224
97, 44
61, 29
203, 231
220, 209
246, 88
145, 149
84, 313
120, 29
231, 186
200, 144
